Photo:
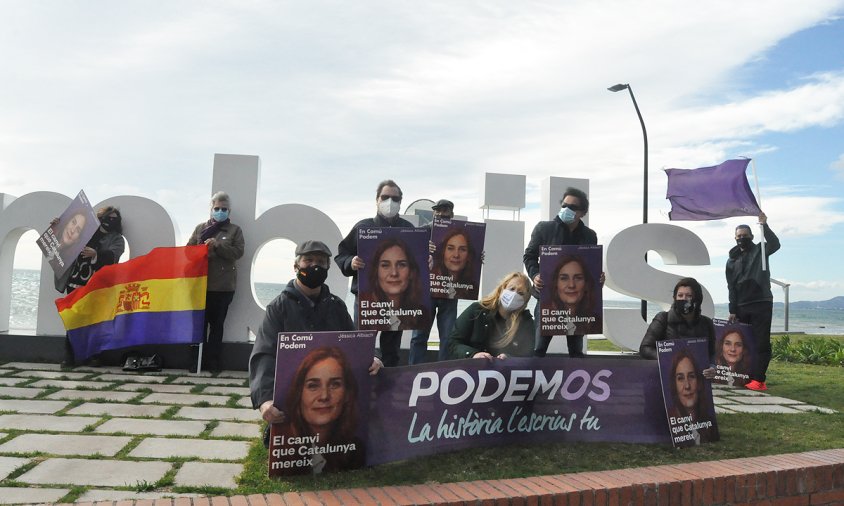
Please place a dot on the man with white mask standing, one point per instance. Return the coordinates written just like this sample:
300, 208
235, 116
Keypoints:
388, 198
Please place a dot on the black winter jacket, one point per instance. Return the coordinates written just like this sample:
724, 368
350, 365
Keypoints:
746, 281
669, 325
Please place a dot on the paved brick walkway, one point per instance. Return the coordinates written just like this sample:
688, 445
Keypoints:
170, 429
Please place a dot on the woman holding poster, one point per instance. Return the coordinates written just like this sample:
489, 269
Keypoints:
683, 320
395, 281
689, 403
499, 325
454, 259
320, 435
733, 361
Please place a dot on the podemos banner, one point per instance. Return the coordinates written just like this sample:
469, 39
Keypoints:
393, 287
571, 301
456, 271
323, 388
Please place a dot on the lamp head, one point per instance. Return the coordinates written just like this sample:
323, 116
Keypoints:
618, 87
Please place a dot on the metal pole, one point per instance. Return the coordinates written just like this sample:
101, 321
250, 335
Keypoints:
645, 186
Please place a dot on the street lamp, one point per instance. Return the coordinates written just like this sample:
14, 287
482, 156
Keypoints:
619, 87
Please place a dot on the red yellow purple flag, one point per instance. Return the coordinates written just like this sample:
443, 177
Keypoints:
157, 298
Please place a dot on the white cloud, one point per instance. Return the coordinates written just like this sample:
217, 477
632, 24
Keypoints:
837, 167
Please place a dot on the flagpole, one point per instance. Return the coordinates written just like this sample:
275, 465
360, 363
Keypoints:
759, 201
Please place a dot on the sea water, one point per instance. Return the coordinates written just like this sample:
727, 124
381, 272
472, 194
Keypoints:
811, 321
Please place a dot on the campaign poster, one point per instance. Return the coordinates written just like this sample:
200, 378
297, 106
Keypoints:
61, 243
440, 407
393, 286
570, 302
687, 394
322, 385
735, 353
457, 259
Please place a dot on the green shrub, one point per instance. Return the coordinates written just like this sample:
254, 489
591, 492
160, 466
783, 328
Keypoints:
810, 350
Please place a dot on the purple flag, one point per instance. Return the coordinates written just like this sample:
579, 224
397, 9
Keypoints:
710, 193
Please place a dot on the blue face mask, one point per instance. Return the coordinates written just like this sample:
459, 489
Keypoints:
219, 215
566, 215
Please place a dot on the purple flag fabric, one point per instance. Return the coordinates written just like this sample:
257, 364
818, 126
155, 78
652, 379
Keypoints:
710, 193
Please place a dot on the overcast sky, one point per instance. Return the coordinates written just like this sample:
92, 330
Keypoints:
335, 96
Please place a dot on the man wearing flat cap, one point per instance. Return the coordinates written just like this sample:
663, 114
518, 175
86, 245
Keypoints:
305, 305
445, 309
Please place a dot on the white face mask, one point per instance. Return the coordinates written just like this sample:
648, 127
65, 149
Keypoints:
511, 301
388, 208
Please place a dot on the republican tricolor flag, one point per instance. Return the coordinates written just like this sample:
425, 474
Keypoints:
157, 298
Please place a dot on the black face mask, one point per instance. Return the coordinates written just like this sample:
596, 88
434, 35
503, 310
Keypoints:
684, 307
745, 242
312, 276
110, 223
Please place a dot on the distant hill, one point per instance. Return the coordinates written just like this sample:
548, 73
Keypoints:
833, 303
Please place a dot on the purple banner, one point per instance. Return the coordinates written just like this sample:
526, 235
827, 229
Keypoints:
456, 273
687, 394
735, 353
393, 287
446, 406
710, 193
570, 302
61, 243
323, 387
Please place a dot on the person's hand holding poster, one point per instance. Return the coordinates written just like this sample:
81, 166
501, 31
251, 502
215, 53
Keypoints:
457, 258
735, 352
393, 287
687, 394
62, 242
571, 301
322, 387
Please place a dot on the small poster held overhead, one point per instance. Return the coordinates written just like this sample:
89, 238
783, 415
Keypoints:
61, 243
457, 259
735, 352
687, 394
393, 286
571, 301
322, 386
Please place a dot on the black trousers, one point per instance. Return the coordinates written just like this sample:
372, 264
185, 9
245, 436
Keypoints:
216, 309
758, 315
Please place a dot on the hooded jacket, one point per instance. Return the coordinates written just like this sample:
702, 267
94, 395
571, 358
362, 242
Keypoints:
747, 283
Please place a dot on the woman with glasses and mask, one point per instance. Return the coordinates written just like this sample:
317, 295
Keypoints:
497, 326
682, 321
225, 246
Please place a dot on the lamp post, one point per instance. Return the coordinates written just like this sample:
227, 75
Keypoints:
619, 87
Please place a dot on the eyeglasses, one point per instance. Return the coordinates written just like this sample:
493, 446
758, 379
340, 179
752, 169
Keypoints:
221, 209
394, 198
572, 207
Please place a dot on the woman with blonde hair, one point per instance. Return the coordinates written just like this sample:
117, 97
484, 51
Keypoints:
499, 325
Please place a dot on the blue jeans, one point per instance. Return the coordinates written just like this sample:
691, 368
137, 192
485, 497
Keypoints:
446, 311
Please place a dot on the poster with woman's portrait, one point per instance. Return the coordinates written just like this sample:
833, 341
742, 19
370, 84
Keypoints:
393, 286
687, 394
456, 270
735, 352
322, 387
61, 243
570, 302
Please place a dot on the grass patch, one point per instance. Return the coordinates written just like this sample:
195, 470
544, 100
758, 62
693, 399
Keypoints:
742, 435
74, 494
170, 413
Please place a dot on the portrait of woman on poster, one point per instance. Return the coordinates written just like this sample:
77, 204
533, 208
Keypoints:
322, 401
690, 397
574, 291
455, 257
499, 325
733, 355
67, 233
394, 276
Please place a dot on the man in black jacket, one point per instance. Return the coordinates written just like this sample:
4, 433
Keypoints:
388, 198
305, 305
566, 228
751, 300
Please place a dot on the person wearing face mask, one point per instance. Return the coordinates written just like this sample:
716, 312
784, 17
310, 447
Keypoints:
751, 300
305, 305
497, 326
682, 321
565, 229
388, 197
225, 246
104, 248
